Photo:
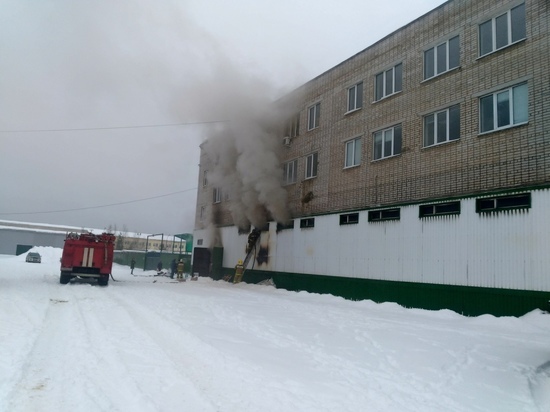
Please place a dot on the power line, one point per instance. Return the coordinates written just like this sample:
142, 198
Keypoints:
99, 206
114, 127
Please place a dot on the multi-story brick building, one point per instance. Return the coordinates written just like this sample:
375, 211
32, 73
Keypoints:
417, 170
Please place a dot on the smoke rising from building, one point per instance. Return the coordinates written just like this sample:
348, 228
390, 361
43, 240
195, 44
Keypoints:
245, 154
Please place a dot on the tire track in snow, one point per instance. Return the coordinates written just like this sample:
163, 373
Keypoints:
217, 375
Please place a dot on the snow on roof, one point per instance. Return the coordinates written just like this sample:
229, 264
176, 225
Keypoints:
50, 228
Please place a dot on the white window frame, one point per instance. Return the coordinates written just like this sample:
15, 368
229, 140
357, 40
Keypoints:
448, 134
384, 76
517, 94
290, 170
311, 165
448, 61
352, 153
512, 36
355, 97
313, 116
383, 134
216, 195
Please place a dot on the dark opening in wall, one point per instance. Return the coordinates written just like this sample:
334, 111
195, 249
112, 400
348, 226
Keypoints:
500, 203
306, 223
281, 226
386, 214
349, 218
439, 209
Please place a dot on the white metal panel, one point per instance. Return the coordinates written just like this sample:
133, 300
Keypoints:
502, 250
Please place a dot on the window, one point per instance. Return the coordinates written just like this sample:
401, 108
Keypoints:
355, 97
203, 213
387, 214
387, 142
311, 166
349, 219
293, 126
285, 226
500, 203
199, 242
313, 114
353, 152
439, 209
442, 58
442, 126
289, 172
388, 82
217, 195
204, 178
502, 31
504, 108
308, 222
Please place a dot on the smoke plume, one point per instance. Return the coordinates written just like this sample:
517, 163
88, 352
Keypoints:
246, 155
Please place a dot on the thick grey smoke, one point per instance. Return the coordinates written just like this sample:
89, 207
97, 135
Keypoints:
245, 153
245, 148
247, 167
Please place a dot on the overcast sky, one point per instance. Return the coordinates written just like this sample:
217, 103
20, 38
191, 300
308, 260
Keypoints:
93, 94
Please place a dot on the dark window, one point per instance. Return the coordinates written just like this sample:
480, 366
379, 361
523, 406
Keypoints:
313, 114
442, 126
311, 165
293, 126
504, 108
442, 58
451, 208
282, 226
498, 203
355, 97
503, 30
387, 214
308, 222
388, 82
349, 218
387, 142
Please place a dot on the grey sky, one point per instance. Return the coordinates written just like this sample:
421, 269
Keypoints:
66, 64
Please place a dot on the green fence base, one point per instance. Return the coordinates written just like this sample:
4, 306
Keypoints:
466, 300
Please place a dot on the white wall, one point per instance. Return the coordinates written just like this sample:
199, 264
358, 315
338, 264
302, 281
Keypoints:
504, 250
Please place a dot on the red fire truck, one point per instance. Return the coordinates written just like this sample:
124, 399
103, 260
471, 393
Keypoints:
89, 256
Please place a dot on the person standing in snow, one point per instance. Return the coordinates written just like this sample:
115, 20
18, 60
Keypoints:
173, 267
180, 268
239, 270
132, 265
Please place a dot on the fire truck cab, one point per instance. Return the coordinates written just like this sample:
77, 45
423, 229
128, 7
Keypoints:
87, 256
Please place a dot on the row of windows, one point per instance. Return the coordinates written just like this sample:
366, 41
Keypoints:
499, 110
290, 169
494, 34
483, 205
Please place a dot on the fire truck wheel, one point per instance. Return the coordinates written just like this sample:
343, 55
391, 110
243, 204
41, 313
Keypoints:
64, 278
103, 281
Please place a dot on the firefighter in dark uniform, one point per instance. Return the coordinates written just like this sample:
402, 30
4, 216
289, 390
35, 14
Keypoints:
239, 269
252, 239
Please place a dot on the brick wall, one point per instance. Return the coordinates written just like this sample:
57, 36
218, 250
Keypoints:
475, 163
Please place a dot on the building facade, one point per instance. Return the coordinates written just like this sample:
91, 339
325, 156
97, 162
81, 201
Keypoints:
418, 170
28, 234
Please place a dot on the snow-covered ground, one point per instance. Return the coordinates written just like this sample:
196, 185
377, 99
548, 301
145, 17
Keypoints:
146, 343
